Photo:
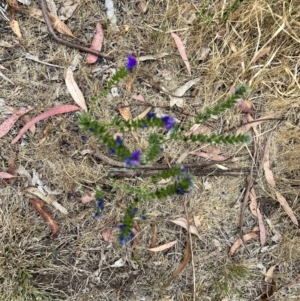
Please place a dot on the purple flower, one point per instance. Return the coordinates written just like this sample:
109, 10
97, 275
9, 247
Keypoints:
125, 238
133, 211
168, 121
119, 141
151, 115
112, 150
134, 159
97, 215
131, 62
100, 204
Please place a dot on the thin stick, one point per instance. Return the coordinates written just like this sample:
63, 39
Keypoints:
190, 241
69, 43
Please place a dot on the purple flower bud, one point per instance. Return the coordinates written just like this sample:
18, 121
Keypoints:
134, 159
168, 121
131, 62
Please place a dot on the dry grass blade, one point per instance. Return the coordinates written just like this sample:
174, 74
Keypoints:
39, 207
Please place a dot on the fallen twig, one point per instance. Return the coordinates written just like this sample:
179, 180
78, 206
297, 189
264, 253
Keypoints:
69, 43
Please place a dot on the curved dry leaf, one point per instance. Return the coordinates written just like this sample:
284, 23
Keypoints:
67, 10
86, 198
26, 118
16, 29
186, 258
74, 90
152, 57
213, 157
52, 112
96, 44
39, 207
125, 111
266, 163
253, 203
239, 242
109, 235
119, 263
163, 247
281, 199
245, 128
261, 53
269, 274
244, 106
182, 222
55, 21
176, 99
12, 169
181, 50
6, 175
47, 198
138, 97
143, 114
262, 230
6, 125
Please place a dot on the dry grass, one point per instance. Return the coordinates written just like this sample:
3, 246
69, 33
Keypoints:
33, 267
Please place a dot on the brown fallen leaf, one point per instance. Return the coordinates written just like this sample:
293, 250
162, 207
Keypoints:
74, 90
12, 169
262, 230
182, 222
129, 83
212, 157
47, 198
16, 29
246, 237
253, 203
153, 242
197, 129
244, 106
245, 128
39, 207
86, 198
181, 50
266, 163
163, 247
5, 175
96, 44
55, 21
6, 125
143, 114
68, 8
109, 235
281, 199
25, 119
125, 111
186, 258
46, 131
269, 274
261, 53
197, 221
270, 179
52, 112
138, 97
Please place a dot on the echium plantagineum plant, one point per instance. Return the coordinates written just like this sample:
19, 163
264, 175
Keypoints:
182, 180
